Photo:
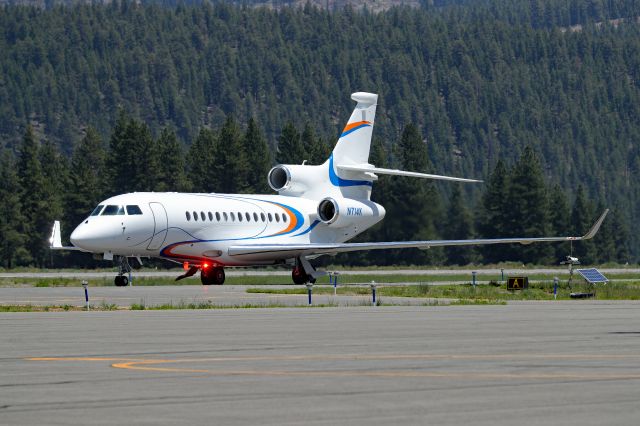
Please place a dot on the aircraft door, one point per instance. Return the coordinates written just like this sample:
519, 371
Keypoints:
161, 226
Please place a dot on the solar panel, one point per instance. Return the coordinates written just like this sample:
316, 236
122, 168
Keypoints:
592, 276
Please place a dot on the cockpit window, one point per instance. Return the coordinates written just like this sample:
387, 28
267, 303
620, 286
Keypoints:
113, 210
133, 210
97, 210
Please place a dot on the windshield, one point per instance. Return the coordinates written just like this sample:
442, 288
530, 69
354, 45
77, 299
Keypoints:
97, 210
113, 210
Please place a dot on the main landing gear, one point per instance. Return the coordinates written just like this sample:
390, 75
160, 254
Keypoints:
212, 275
300, 275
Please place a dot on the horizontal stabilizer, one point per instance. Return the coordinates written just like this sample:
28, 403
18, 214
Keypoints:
292, 250
368, 168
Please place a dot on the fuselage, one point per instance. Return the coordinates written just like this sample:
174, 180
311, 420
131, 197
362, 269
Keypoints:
199, 228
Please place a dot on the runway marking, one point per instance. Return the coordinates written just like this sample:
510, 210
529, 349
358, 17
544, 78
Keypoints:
155, 365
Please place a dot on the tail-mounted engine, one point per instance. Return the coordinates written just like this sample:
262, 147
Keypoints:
346, 212
295, 179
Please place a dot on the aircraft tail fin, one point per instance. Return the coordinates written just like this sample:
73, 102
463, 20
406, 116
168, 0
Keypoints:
355, 140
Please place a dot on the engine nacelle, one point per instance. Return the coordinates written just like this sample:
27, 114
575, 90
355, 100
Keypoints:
348, 212
294, 179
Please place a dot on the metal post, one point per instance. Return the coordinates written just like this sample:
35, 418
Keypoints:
85, 284
373, 292
473, 274
309, 288
130, 278
502, 274
335, 283
555, 288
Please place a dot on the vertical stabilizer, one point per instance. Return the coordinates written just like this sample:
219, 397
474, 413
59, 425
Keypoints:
355, 139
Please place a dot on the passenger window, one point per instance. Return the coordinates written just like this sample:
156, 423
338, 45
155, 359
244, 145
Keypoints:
262, 216
270, 218
203, 216
97, 210
218, 216
133, 210
239, 217
284, 218
248, 216
113, 211
188, 215
255, 217
233, 217
277, 217
226, 218
210, 217
195, 216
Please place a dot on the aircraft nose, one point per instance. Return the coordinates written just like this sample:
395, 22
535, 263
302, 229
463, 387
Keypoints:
80, 237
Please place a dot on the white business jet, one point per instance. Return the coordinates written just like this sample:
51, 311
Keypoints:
317, 210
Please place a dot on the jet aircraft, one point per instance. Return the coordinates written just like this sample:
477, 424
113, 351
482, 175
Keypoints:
318, 209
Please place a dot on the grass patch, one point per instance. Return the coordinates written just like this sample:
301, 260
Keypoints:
466, 292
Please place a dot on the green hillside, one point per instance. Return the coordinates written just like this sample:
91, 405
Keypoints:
480, 81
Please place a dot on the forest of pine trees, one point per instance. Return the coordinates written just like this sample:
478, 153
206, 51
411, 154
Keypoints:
540, 99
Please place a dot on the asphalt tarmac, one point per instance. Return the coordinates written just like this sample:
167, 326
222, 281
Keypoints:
570, 363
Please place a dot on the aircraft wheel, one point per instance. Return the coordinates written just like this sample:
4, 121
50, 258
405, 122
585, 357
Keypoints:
206, 276
299, 276
121, 281
218, 275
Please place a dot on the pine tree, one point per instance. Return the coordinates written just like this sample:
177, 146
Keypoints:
172, 176
290, 147
119, 164
32, 197
87, 186
258, 158
582, 217
12, 236
414, 210
492, 214
317, 151
458, 226
559, 220
201, 171
55, 172
232, 164
527, 208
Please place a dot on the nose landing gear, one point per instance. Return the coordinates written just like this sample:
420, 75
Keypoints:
121, 279
212, 275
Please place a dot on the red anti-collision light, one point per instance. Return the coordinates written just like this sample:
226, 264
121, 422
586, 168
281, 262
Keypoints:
205, 265
185, 266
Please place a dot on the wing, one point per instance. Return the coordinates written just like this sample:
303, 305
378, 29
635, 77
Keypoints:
294, 250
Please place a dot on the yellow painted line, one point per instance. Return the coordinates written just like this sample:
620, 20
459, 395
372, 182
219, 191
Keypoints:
159, 365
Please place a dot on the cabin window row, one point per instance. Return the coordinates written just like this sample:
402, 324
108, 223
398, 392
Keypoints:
235, 217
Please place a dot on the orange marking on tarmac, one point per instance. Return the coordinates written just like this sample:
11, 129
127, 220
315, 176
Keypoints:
160, 365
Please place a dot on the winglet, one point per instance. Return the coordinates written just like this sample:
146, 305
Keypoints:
55, 242
596, 226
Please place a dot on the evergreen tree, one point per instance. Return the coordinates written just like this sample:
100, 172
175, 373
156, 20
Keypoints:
290, 147
492, 214
559, 220
458, 226
55, 172
119, 161
414, 210
12, 234
258, 158
172, 177
232, 164
32, 197
201, 171
527, 208
582, 217
87, 187
317, 151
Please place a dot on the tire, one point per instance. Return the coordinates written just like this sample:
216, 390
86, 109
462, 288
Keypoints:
299, 276
218, 275
206, 277
121, 281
